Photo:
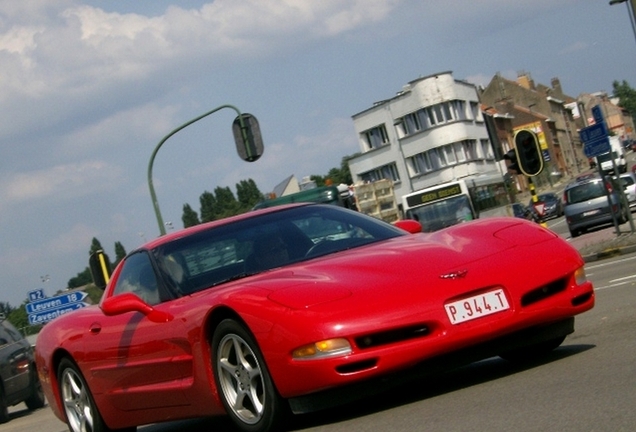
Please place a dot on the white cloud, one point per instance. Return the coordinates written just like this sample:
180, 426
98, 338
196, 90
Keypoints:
58, 182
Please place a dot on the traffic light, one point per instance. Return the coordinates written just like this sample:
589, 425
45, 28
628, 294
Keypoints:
529, 157
511, 161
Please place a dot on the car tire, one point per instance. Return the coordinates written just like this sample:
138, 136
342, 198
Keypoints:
36, 400
243, 381
4, 408
532, 352
79, 406
574, 233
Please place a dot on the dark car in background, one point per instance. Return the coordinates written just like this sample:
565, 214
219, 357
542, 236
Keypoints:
587, 205
553, 206
19, 380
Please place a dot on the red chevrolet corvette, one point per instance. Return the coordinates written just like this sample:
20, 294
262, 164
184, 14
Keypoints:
300, 307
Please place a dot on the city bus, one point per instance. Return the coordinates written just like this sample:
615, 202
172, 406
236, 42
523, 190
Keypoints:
440, 206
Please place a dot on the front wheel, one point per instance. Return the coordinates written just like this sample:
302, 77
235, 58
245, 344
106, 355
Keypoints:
245, 386
81, 411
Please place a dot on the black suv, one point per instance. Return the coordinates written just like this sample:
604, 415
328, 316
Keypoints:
19, 380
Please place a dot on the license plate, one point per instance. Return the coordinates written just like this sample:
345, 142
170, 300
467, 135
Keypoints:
591, 212
477, 306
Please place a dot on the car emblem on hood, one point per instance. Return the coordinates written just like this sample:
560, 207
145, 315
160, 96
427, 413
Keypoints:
454, 275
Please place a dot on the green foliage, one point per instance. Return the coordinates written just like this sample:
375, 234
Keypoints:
248, 194
189, 217
95, 246
222, 203
208, 205
5, 309
81, 279
120, 253
20, 320
626, 96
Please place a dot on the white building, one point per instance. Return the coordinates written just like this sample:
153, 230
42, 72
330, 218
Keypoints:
430, 133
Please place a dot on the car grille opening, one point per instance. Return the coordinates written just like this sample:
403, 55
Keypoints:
357, 366
392, 336
544, 292
576, 301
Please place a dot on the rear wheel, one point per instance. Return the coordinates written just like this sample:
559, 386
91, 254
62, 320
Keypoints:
244, 384
532, 352
4, 409
80, 409
36, 400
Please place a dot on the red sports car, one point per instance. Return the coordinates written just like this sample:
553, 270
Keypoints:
300, 307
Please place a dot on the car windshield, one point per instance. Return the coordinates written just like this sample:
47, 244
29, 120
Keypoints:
585, 192
239, 249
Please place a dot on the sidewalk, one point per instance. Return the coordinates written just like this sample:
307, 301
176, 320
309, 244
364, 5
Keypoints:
604, 243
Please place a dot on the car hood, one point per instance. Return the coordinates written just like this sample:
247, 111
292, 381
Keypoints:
408, 262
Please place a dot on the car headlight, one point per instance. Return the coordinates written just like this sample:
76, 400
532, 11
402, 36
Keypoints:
579, 276
325, 348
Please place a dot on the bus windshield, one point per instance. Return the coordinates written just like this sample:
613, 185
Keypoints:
442, 214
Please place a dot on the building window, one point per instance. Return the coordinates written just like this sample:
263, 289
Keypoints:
459, 152
486, 149
474, 108
458, 108
412, 123
470, 150
384, 172
376, 137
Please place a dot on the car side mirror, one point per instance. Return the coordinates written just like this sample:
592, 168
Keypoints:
129, 302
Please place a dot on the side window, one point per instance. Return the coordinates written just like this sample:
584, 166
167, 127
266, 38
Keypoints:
138, 277
12, 332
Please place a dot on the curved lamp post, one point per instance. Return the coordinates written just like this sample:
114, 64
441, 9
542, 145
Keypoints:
631, 8
247, 136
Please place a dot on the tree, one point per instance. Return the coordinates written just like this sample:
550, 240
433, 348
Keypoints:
5, 309
95, 246
189, 217
208, 206
626, 96
226, 202
120, 253
83, 278
248, 194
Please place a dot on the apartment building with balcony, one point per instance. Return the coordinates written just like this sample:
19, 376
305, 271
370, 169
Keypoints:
431, 132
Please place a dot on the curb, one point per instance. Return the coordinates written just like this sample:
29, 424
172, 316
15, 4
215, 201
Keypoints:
609, 252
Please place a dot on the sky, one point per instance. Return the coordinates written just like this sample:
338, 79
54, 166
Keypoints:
89, 88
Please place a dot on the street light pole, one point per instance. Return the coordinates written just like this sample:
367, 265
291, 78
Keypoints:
631, 8
249, 135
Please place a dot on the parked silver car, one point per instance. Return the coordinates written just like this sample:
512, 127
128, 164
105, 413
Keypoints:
628, 180
587, 205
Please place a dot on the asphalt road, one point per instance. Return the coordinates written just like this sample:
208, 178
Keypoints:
585, 385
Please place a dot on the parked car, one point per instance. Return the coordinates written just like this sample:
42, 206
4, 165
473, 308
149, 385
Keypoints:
552, 205
300, 307
18, 376
521, 211
628, 180
587, 205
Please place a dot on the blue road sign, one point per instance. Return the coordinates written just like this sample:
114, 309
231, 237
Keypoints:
597, 114
55, 302
49, 314
595, 140
36, 295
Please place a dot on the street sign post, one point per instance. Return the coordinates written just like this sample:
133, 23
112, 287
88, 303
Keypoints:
595, 140
43, 310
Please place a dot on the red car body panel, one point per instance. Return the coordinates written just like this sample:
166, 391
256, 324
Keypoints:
162, 371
